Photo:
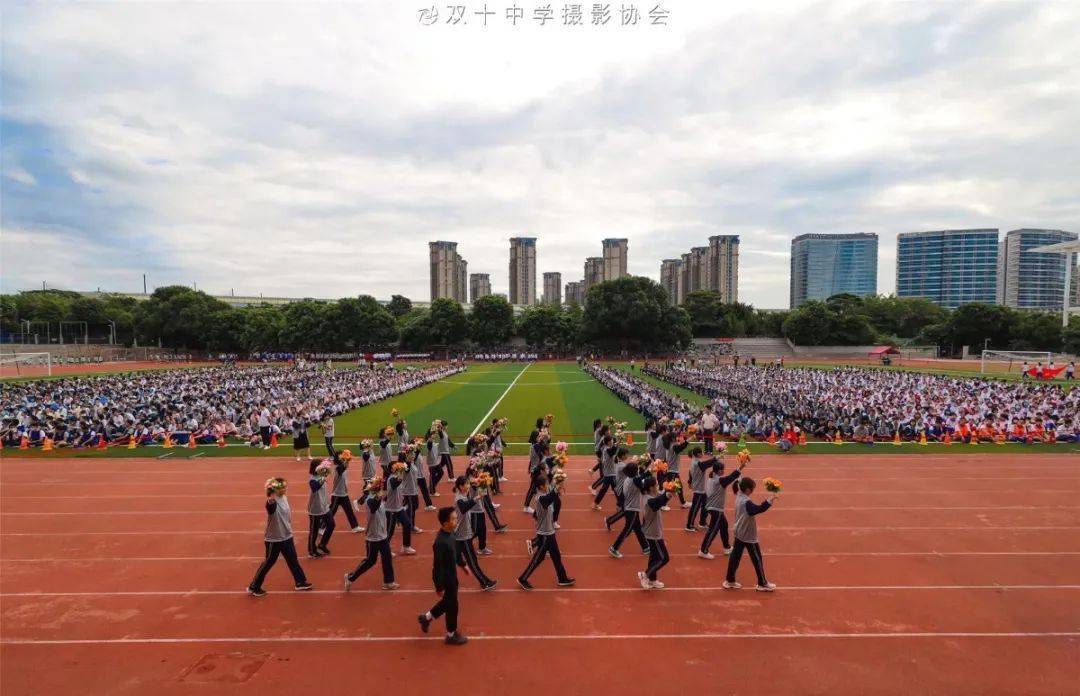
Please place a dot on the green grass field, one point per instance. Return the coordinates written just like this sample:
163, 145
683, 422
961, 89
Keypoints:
518, 391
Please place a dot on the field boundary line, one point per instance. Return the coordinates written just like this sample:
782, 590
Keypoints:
487, 415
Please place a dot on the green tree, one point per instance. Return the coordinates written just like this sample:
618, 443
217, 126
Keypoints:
491, 321
770, 323
633, 312
360, 322
262, 328
973, 323
307, 326
178, 317
811, 324
1070, 335
399, 306
541, 325
9, 314
448, 323
416, 330
1037, 331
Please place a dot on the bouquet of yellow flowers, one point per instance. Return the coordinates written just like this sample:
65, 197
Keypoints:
549, 417
484, 482
323, 470
743, 456
480, 438
388, 431
394, 413
374, 486
659, 466
502, 422
558, 476
610, 420
691, 430
276, 484
773, 485
398, 469
673, 486
365, 444
561, 460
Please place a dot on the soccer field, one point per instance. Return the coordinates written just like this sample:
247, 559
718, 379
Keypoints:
521, 392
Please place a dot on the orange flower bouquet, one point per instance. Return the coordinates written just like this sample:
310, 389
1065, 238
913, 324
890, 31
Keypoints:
659, 466
398, 469
673, 486
743, 456
773, 485
394, 413
388, 431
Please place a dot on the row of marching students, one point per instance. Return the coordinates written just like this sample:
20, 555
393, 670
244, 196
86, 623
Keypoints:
643, 488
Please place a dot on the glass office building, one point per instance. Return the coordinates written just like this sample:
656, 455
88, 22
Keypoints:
823, 265
1030, 280
949, 267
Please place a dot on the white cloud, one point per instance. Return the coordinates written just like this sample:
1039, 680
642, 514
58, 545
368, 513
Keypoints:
316, 149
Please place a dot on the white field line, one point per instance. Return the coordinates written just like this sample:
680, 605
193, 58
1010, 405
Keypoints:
491, 410
629, 554
539, 637
531, 532
568, 590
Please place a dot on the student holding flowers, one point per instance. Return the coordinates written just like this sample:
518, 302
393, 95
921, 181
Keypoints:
396, 511
635, 474
378, 540
465, 503
652, 525
545, 542
319, 517
746, 536
339, 497
715, 496
278, 539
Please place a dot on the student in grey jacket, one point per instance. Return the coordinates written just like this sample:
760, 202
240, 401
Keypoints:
278, 539
746, 537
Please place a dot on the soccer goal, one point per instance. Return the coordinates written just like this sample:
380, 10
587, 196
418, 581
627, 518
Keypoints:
29, 364
1012, 360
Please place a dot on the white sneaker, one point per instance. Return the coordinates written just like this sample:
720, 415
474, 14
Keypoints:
558, 526
767, 587
706, 555
408, 551
390, 585
503, 478
656, 585
731, 585
430, 507
417, 530
645, 584
357, 529
528, 510
596, 507
486, 552
348, 582
436, 495
727, 551
614, 552
496, 505
666, 508
298, 458
685, 505
701, 527
529, 546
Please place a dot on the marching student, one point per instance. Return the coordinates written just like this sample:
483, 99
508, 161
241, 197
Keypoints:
402, 430
652, 525
377, 540
546, 543
319, 517
715, 496
608, 449
396, 512
498, 445
465, 502
278, 539
746, 537
410, 490
540, 470
434, 462
369, 466
673, 444
697, 475
385, 456
599, 431
339, 497
417, 469
631, 511
620, 478
444, 577
445, 445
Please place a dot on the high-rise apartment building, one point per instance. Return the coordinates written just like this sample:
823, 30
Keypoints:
575, 293
523, 270
594, 271
723, 266
671, 280
448, 271
479, 286
552, 288
614, 259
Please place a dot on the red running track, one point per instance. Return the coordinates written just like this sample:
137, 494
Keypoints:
896, 574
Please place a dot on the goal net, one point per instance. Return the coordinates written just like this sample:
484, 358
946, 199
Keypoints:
25, 364
1012, 361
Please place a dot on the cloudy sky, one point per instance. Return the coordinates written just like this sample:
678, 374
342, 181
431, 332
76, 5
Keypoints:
314, 150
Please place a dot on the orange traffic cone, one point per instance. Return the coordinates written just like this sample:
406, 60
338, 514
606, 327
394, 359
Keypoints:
629, 440
974, 439
999, 439
896, 438
802, 438
191, 441
24, 443
48, 446
168, 443
273, 440
838, 440
221, 441
922, 438
102, 443
947, 439
132, 443
772, 438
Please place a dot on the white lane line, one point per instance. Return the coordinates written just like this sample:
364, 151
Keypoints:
568, 590
630, 554
540, 637
484, 420
244, 492
143, 475
798, 529
99, 513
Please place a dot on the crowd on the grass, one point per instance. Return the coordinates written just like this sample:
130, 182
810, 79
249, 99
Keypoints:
869, 405
254, 404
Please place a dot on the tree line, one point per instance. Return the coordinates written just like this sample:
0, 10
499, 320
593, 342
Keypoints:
626, 314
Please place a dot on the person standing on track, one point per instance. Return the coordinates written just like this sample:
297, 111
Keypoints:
445, 445
746, 537
673, 443
339, 498
327, 427
444, 577
319, 517
652, 525
278, 539
546, 543
378, 541
396, 511
697, 475
608, 451
715, 496
301, 446
264, 425
434, 462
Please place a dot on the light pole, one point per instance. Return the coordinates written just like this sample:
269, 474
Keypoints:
112, 332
